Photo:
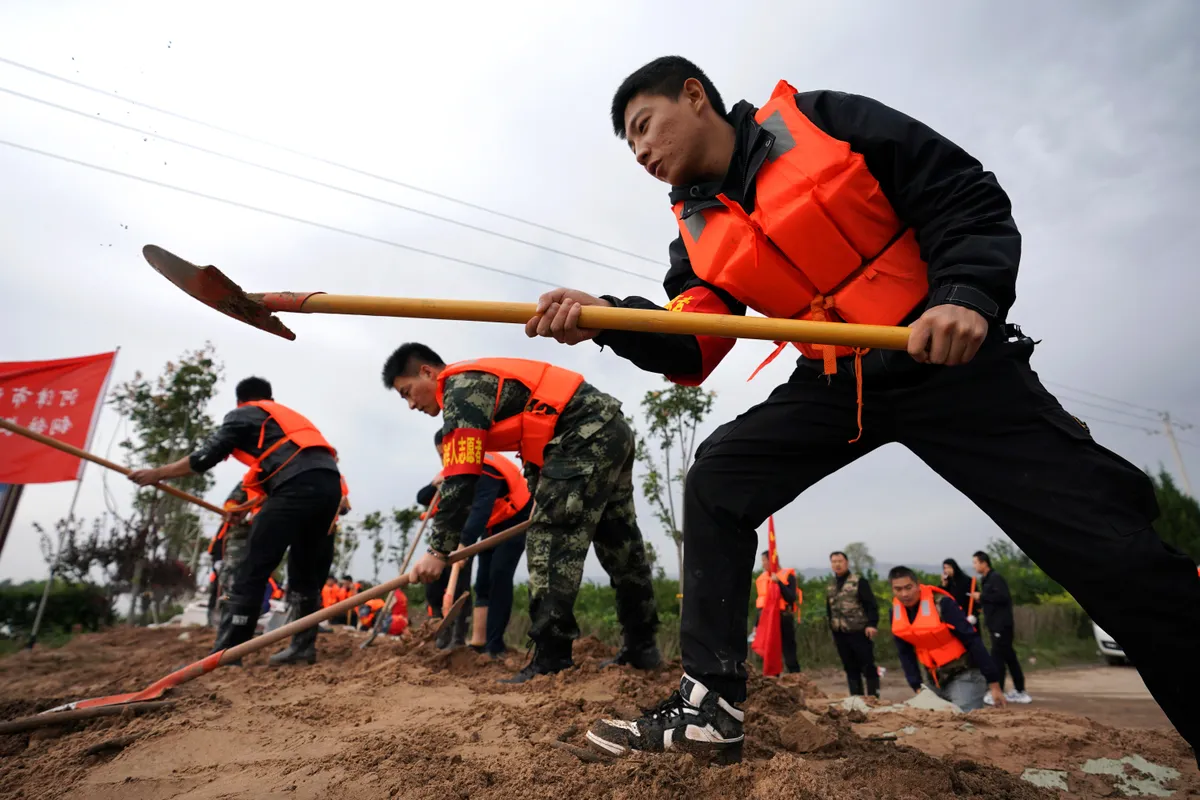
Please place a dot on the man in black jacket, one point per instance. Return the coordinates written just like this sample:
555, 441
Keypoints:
853, 615
996, 603
494, 574
963, 397
789, 595
303, 491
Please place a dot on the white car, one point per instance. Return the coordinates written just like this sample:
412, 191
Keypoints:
1109, 648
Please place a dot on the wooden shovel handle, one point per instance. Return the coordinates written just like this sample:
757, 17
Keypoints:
75, 451
603, 317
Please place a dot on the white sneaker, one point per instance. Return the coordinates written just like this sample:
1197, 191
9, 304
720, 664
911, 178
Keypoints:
987, 699
1018, 697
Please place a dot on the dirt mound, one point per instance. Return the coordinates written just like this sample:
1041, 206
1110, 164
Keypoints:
402, 719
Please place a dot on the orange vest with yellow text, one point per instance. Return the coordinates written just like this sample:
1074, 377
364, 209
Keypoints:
933, 639
823, 243
296, 429
527, 433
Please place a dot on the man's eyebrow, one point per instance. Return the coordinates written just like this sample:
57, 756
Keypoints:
633, 121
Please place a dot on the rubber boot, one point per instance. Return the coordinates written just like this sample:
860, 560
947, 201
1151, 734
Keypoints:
548, 658
303, 647
460, 629
239, 617
639, 651
873, 685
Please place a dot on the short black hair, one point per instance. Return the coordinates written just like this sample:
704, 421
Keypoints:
984, 557
437, 437
253, 388
896, 573
405, 361
663, 77
766, 552
839, 553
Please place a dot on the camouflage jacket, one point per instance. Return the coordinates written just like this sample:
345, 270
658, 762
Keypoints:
846, 611
469, 406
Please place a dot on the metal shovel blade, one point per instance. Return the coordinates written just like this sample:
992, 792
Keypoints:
210, 286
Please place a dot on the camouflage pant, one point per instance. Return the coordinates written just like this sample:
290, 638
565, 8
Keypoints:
584, 496
234, 548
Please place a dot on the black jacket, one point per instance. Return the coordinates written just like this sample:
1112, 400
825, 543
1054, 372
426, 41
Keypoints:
240, 430
961, 217
996, 602
490, 487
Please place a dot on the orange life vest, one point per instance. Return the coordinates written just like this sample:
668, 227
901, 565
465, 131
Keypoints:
296, 429
368, 610
329, 595
823, 243
510, 502
763, 581
527, 433
933, 639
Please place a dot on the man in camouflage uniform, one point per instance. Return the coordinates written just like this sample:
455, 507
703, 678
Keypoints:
854, 619
583, 493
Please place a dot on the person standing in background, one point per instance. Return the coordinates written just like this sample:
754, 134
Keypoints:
854, 620
994, 598
956, 582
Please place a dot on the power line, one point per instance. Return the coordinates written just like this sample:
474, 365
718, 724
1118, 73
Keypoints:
1111, 410
277, 214
322, 184
1141, 428
319, 159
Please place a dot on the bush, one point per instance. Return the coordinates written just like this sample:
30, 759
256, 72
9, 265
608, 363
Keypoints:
68, 605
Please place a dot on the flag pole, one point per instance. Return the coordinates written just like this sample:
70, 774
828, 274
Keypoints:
37, 620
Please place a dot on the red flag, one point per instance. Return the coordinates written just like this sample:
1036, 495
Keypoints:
768, 637
61, 399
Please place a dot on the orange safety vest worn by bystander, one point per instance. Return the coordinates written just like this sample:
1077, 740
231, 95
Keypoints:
933, 639
528, 433
296, 429
763, 581
510, 502
823, 243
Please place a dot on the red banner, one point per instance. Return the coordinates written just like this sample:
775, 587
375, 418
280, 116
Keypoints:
768, 641
60, 399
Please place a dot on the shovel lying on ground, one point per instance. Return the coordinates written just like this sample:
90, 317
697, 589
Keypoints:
385, 613
221, 657
75, 451
211, 287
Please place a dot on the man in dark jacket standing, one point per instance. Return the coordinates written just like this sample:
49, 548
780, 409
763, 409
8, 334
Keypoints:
997, 606
292, 464
853, 615
828, 206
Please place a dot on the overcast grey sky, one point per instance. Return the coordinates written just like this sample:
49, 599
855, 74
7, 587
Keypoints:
1088, 113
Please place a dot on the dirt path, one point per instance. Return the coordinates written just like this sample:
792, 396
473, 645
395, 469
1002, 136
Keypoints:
1110, 695
404, 721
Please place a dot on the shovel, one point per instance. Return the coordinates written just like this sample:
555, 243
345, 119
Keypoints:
221, 657
211, 287
75, 451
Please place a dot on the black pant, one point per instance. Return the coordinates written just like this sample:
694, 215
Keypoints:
1006, 657
295, 518
787, 637
494, 581
991, 430
857, 653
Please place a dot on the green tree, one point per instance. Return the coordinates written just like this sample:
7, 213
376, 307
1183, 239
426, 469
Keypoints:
1179, 515
169, 418
860, 558
673, 415
403, 522
345, 545
373, 526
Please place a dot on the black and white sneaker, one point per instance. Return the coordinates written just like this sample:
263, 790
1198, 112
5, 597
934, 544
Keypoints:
692, 720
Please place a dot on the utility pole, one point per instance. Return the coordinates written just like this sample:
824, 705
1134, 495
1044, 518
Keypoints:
1168, 426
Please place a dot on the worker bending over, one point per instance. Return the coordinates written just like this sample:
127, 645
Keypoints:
578, 452
293, 465
933, 634
827, 206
